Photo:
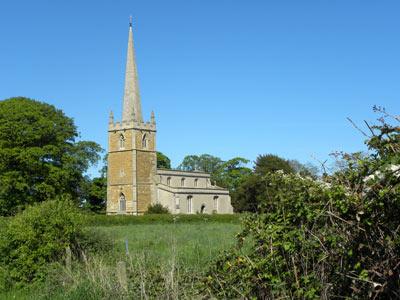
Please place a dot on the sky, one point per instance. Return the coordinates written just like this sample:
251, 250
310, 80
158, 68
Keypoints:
224, 77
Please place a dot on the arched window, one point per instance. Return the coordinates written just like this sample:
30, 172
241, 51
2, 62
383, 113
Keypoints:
195, 182
122, 203
121, 142
189, 204
216, 203
144, 141
169, 181
183, 182
203, 208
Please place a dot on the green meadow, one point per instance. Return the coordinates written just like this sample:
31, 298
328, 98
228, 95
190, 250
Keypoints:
166, 258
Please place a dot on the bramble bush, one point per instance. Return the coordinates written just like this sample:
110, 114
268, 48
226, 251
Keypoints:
38, 237
313, 239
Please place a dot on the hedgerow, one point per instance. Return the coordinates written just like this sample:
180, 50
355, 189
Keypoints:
333, 239
120, 220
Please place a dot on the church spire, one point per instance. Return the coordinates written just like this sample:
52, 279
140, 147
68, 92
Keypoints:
132, 107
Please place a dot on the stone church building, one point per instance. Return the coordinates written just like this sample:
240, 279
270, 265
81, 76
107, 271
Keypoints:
134, 182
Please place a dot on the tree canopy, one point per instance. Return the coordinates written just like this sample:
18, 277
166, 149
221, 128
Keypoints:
163, 161
40, 157
205, 163
271, 163
230, 174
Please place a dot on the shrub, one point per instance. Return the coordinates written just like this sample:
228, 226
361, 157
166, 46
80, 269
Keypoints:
157, 209
38, 237
312, 240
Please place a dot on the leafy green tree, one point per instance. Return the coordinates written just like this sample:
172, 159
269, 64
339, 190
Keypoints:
96, 194
230, 173
248, 193
204, 163
40, 157
163, 162
271, 163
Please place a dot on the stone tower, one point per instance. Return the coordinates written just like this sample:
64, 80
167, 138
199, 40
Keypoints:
132, 159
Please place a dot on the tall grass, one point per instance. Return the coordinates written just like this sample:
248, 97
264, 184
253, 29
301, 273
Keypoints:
165, 261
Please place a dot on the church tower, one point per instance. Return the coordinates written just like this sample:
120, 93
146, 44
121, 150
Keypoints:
132, 158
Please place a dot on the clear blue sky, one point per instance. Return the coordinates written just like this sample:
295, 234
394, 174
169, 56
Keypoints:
229, 78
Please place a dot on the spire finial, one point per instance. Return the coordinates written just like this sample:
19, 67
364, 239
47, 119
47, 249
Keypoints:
130, 21
152, 118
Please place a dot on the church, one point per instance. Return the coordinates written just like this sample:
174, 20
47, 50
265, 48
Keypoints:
133, 180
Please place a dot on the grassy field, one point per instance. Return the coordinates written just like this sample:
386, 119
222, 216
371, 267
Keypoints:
192, 244
165, 260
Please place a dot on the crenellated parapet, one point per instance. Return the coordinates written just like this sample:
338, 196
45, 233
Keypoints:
124, 125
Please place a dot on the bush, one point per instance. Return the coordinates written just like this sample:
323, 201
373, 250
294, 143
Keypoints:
38, 237
157, 209
313, 240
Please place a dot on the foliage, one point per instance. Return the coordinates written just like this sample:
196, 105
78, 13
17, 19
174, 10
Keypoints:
305, 170
96, 194
271, 163
204, 163
157, 208
123, 220
36, 237
248, 194
163, 162
312, 240
166, 261
39, 155
230, 173
249, 189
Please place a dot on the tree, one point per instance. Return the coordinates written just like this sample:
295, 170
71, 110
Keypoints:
39, 155
163, 162
230, 173
248, 193
204, 163
305, 170
271, 163
96, 194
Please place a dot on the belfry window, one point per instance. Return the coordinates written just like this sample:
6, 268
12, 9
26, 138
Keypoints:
122, 203
121, 142
183, 182
195, 182
144, 141
169, 181
189, 204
